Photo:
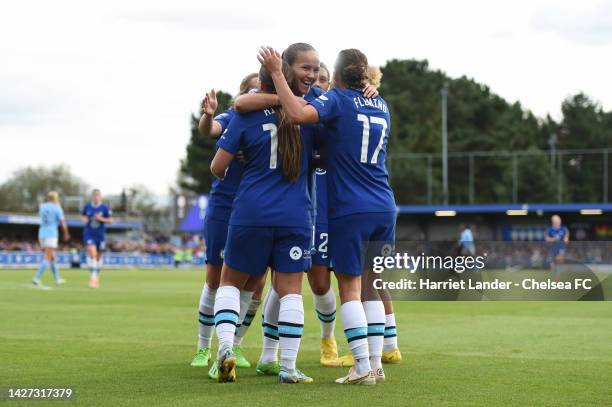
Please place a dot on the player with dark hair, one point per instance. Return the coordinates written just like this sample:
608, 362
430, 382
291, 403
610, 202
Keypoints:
361, 202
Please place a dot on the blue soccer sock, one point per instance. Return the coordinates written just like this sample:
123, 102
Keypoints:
56, 275
43, 266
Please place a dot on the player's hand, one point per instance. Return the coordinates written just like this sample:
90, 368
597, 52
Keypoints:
209, 103
240, 156
370, 91
270, 59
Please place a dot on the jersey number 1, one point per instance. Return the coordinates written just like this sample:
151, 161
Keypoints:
365, 139
271, 127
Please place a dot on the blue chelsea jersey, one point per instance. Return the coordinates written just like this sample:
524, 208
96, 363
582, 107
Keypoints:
93, 227
265, 197
558, 235
357, 132
222, 193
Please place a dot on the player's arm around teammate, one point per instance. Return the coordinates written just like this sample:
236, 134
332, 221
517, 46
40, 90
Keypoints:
269, 225
363, 208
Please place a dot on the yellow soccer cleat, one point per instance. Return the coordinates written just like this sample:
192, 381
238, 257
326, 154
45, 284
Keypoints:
393, 357
347, 360
227, 365
329, 352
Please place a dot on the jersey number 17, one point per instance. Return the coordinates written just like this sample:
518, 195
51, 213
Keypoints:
365, 138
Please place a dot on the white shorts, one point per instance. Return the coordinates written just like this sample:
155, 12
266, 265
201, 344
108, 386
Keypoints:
48, 242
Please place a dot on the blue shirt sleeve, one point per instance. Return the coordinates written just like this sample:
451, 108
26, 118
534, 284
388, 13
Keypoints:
224, 119
327, 106
60, 214
84, 211
107, 212
230, 138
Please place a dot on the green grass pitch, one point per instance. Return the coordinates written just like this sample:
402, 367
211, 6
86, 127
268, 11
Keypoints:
130, 343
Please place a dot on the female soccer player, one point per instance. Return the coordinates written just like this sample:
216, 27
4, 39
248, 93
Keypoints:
270, 224
95, 216
217, 215
51, 216
361, 202
323, 79
558, 236
391, 352
305, 66
304, 62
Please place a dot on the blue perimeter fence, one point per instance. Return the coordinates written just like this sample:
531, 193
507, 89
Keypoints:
20, 259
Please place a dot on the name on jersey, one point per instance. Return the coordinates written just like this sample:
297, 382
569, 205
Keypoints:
269, 112
375, 103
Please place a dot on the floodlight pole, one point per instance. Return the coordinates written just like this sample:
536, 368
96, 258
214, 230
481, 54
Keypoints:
444, 94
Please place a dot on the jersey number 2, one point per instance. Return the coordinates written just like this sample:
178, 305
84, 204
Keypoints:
271, 127
365, 139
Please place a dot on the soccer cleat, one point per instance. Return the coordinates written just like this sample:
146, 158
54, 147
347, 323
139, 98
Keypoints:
241, 361
268, 369
35, 281
295, 376
329, 352
201, 358
394, 356
379, 375
60, 281
347, 360
213, 373
227, 365
354, 378
94, 282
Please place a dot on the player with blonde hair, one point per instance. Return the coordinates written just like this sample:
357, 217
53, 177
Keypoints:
51, 216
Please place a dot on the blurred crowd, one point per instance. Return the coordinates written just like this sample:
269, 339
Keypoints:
148, 245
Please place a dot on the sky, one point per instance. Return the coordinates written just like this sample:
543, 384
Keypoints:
108, 87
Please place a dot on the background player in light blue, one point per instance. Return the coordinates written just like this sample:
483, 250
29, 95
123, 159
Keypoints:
270, 225
95, 216
361, 203
51, 216
558, 236
466, 241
